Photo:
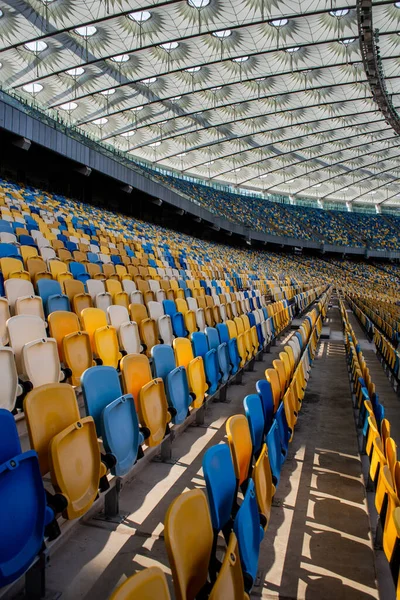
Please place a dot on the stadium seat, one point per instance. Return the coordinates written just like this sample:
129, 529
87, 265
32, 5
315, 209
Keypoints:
52, 296
10, 387
175, 381
189, 543
232, 346
17, 288
136, 372
194, 369
240, 445
114, 415
106, 346
222, 352
255, 416
92, 319
177, 320
147, 327
249, 534
275, 455
23, 514
230, 583
148, 584
210, 360
163, 321
23, 329
40, 362
220, 479
153, 411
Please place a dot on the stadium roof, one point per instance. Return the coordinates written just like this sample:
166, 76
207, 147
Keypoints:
264, 94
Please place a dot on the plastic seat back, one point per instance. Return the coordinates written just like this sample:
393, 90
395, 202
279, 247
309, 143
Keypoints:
230, 583
249, 534
100, 387
76, 445
178, 395
15, 288
21, 330
183, 352
92, 319
255, 416
283, 427
22, 531
274, 451
106, 346
240, 444
189, 538
48, 410
62, 323
265, 489
129, 337
136, 372
120, 431
163, 360
220, 481
9, 388
117, 315
153, 410
40, 361
272, 378
148, 584
77, 353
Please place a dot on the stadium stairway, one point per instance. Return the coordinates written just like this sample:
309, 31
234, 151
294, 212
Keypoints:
318, 544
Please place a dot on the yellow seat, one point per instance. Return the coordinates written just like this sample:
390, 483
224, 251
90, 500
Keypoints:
119, 297
136, 372
229, 584
148, 331
57, 267
240, 445
62, 323
393, 502
138, 312
153, 410
188, 315
189, 538
106, 346
280, 369
75, 466
92, 319
149, 584
265, 489
289, 368
11, 266
272, 377
48, 410
77, 353
194, 368
79, 299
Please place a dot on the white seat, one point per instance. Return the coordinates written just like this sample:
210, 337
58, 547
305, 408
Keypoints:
29, 305
161, 295
117, 314
154, 285
94, 287
163, 321
10, 388
103, 301
222, 310
40, 361
23, 329
129, 338
199, 312
16, 288
104, 258
136, 297
93, 248
128, 286
47, 253
4, 316
8, 238
42, 242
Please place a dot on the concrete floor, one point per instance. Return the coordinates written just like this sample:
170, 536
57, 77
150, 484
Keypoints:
318, 546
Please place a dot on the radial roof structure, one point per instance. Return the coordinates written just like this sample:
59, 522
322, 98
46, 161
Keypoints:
265, 94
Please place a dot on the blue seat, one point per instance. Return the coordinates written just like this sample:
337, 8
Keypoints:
284, 431
210, 359
220, 479
249, 534
258, 327
52, 296
71, 246
253, 410
178, 323
232, 346
175, 380
114, 415
2, 290
274, 452
79, 271
116, 259
264, 390
121, 433
27, 240
93, 258
6, 226
23, 510
298, 335
9, 251
222, 352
